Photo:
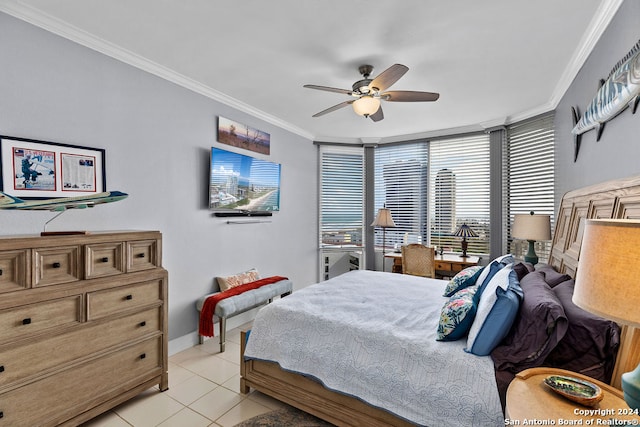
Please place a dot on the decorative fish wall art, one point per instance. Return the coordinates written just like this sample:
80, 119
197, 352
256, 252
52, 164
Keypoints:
619, 91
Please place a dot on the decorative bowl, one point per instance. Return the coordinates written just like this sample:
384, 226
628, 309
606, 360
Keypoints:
577, 390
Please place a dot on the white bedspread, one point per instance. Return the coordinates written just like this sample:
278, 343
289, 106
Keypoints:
372, 335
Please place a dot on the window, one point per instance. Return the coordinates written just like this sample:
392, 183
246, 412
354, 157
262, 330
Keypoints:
433, 187
460, 188
341, 196
530, 177
401, 183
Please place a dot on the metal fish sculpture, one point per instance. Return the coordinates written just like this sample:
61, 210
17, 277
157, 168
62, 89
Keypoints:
619, 91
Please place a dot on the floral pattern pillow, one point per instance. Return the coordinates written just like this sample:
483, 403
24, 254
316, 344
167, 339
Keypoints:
229, 282
463, 279
457, 315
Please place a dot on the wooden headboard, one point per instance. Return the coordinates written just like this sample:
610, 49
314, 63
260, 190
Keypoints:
616, 199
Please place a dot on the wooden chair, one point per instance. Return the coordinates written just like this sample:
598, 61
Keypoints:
418, 260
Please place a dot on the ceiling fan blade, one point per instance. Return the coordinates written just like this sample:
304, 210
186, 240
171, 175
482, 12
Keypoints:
378, 115
389, 77
329, 89
409, 96
334, 108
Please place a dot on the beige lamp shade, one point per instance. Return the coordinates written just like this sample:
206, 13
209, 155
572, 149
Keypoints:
607, 282
384, 219
531, 227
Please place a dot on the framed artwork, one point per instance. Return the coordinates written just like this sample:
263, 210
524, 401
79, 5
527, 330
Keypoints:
33, 169
242, 136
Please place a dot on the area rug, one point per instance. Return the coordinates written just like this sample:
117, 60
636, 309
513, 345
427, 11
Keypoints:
289, 417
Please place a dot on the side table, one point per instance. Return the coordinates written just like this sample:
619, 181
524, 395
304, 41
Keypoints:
530, 402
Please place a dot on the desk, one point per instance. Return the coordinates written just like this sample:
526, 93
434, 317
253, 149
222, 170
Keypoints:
529, 399
447, 265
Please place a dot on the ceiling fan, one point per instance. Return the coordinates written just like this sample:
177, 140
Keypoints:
368, 92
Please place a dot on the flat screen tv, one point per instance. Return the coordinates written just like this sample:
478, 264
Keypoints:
243, 184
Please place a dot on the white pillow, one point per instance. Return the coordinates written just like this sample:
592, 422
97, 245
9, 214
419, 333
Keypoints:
504, 259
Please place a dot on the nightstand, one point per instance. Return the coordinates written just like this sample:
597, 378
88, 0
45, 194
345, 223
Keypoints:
528, 398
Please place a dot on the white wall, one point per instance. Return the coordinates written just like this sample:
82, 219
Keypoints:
616, 154
157, 137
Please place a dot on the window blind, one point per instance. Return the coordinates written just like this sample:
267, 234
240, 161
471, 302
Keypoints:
530, 156
341, 196
401, 184
460, 189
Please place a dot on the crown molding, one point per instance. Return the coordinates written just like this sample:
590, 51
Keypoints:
595, 29
63, 29
601, 20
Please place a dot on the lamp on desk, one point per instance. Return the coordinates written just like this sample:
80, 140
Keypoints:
607, 281
464, 231
533, 228
384, 220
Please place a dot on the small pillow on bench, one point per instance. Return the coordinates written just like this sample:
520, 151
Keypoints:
232, 281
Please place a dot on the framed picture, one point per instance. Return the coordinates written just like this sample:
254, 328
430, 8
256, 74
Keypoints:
33, 169
242, 136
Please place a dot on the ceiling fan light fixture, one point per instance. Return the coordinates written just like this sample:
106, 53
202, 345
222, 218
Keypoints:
366, 105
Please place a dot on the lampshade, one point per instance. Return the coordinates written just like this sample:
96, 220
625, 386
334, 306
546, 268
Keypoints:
384, 219
608, 278
366, 105
531, 227
607, 281
465, 231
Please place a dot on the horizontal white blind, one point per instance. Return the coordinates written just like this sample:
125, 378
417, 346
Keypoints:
401, 184
341, 196
530, 176
460, 190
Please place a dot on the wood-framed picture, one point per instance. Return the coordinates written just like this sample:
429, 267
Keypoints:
242, 136
33, 169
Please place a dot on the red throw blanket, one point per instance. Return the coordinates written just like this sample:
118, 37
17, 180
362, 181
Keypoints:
209, 306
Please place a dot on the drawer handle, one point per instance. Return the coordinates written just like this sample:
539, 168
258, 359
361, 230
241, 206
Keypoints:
56, 265
0, 272
143, 356
2, 368
143, 323
129, 297
141, 255
26, 321
1, 414
105, 259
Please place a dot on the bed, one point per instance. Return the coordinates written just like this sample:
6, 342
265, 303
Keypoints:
446, 385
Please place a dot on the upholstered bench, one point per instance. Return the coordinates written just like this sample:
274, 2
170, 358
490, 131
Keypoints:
237, 304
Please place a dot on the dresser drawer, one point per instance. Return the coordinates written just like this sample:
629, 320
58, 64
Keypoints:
111, 301
33, 318
142, 255
103, 259
14, 270
57, 265
442, 266
27, 360
458, 267
59, 397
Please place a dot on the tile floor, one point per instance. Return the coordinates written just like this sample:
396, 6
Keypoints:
204, 390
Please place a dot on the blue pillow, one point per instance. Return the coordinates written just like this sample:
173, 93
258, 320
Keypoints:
496, 312
493, 269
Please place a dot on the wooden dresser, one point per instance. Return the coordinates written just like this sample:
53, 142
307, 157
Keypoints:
83, 324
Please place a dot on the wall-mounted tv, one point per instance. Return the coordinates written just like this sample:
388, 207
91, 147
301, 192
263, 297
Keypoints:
241, 183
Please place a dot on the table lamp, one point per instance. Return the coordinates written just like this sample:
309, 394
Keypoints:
531, 227
464, 231
383, 220
607, 281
